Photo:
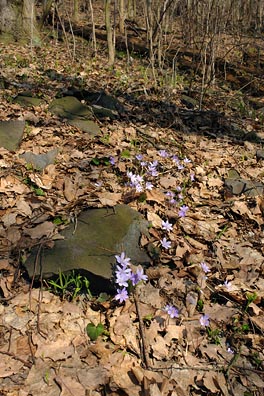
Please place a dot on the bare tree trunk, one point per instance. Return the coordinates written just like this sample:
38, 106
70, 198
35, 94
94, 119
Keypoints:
76, 10
93, 27
121, 16
109, 31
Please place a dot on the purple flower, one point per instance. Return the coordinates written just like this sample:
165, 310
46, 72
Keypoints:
163, 153
229, 350
121, 295
175, 159
171, 311
149, 185
139, 188
139, 157
180, 166
205, 267
228, 285
123, 260
165, 243
204, 321
183, 211
166, 225
138, 276
152, 168
186, 160
192, 177
123, 275
112, 160
170, 194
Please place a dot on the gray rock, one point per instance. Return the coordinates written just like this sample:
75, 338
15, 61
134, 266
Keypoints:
76, 113
28, 101
70, 108
40, 161
86, 126
236, 185
260, 154
11, 133
91, 248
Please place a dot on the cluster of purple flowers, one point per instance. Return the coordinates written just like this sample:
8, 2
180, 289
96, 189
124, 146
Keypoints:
171, 311
125, 276
137, 182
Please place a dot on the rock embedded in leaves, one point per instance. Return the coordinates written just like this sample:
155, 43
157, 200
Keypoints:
91, 247
11, 133
76, 114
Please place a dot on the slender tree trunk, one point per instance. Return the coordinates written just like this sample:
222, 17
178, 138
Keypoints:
122, 16
76, 10
109, 32
93, 27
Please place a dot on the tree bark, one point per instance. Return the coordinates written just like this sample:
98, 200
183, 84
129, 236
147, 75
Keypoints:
109, 32
18, 20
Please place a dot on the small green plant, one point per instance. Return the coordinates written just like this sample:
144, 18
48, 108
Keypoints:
100, 161
214, 335
70, 284
37, 190
250, 298
200, 305
125, 154
59, 220
94, 331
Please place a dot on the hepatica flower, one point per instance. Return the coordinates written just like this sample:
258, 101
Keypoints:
112, 160
149, 186
123, 260
205, 267
138, 276
139, 157
204, 321
166, 244
121, 295
183, 210
171, 311
228, 285
163, 154
166, 225
125, 277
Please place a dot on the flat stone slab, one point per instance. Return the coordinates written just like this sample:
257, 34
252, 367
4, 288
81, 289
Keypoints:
11, 133
40, 161
91, 247
86, 126
70, 108
28, 101
236, 185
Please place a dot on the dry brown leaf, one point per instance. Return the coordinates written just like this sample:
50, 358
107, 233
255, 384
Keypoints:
59, 349
70, 386
9, 365
46, 179
109, 199
155, 220
23, 207
168, 182
44, 229
69, 189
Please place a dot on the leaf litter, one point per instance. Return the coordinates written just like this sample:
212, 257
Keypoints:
44, 345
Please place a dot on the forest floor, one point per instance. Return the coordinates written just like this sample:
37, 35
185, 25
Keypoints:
196, 325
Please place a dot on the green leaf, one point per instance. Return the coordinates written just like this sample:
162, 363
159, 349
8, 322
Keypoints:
125, 154
57, 221
94, 331
39, 192
95, 161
